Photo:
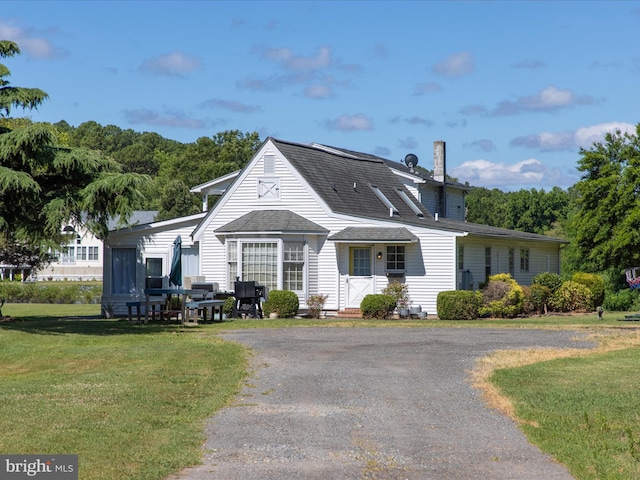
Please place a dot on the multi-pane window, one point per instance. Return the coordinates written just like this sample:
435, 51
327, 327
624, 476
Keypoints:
93, 253
524, 259
361, 262
82, 253
395, 257
460, 257
68, 254
293, 266
260, 263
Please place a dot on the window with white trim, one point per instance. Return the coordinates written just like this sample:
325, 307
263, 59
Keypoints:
396, 258
81, 253
262, 261
94, 253
293, 266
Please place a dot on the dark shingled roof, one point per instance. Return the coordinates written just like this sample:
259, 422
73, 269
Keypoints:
374, 234
342, 177
342, 181
271, 221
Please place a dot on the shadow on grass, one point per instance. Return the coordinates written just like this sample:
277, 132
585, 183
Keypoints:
89, 325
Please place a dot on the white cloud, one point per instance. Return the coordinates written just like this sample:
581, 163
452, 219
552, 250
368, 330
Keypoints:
318, 91
168, 119
456, 65
28, 42
549, 99
171, 64
429, 87
571, 139
529, 173
232, 105
350, 123
287, 59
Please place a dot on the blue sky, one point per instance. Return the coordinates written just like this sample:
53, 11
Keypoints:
513, 88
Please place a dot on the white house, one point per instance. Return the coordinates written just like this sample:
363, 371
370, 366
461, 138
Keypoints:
317, 219
82, 257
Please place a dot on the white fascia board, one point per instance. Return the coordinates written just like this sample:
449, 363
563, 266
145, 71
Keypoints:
219, 184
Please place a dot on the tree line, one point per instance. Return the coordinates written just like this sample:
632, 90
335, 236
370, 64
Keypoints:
53, 173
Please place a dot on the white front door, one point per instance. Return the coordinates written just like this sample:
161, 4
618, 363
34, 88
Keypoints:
360, 280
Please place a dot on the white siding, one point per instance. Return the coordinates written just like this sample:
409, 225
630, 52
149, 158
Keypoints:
152, 242
430, 263
543, 257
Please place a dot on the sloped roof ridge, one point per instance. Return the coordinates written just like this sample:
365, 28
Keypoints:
336, 151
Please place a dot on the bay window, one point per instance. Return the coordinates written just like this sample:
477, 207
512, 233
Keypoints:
276, 264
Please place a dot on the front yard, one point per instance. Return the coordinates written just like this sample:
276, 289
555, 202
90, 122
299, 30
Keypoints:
132, 400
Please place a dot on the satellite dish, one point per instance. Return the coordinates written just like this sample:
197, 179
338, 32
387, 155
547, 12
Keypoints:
411, 160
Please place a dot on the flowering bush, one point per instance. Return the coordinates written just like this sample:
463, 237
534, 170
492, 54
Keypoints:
400, 292
315, 304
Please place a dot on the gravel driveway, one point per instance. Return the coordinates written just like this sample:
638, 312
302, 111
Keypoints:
371, 403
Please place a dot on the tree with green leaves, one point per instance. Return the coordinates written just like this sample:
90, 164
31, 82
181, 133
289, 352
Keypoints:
605, 224
44, 185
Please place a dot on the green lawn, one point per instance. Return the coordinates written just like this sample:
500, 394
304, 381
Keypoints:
132, 400
584, 411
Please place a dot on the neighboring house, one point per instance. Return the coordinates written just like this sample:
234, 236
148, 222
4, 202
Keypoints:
317, 219
81, 258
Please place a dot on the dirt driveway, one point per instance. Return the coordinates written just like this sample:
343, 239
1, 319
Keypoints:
376, 403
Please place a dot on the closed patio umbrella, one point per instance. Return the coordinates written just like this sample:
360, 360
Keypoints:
175, 276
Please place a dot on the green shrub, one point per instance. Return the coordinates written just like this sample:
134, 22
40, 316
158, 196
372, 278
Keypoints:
283, 302
377, 305
622, 301
552, 281
227, 308
572, 297
457, 305
57, 292
540, 296
502, 297
593, 282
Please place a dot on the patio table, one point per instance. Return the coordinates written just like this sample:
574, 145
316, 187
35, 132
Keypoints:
182, 293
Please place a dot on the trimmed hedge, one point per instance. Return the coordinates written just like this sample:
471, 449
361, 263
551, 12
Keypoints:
283, 302
377, 305
63, 292
457, 305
